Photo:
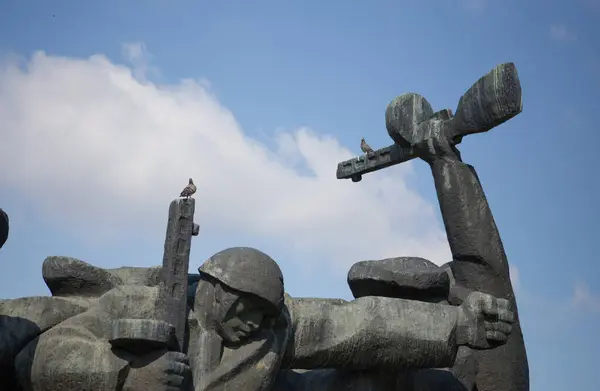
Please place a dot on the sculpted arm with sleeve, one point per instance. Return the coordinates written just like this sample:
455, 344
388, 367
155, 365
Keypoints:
23, 320
72, 354
371, 332
479, 260
387, 333
76, 353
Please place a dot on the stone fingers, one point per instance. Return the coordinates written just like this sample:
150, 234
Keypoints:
485, 321
177, 371
499, 319
177, 368
496, 308
177, 357
501, 327
496, 336
175, 381
505, 312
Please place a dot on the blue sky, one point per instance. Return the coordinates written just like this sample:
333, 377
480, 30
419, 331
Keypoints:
259, 100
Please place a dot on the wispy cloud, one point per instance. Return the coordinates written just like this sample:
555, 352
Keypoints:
584, 299
561, 33
475, 6
515, 278
139, 58
89, 122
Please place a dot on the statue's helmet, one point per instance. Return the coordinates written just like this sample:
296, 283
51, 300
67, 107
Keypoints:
247, 270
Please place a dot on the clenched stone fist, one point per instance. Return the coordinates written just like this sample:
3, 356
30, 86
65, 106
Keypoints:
437, 147
159, 371
484, 321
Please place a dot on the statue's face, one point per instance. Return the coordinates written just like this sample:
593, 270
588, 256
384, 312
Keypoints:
246, 316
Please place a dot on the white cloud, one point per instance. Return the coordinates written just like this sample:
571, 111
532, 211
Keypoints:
88, 142
515, 278
136, 55
584, 299
561, 33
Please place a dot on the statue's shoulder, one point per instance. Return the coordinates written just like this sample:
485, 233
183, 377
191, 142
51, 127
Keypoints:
401, 277
309, 307
66, 276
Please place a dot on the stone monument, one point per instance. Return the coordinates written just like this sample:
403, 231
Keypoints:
413, 326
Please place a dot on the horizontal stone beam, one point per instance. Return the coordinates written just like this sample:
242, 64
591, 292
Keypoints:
381, 158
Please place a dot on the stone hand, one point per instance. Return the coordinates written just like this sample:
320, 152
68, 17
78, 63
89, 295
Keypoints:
436, 148
158, 371
484, 321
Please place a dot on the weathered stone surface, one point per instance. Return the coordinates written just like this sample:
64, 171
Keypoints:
142, 335
77, 350
480, 264
401, 277
172, 306
66, 276
403, 116
21, 321
137, 275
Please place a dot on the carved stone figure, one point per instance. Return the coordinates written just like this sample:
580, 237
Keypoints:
243, 333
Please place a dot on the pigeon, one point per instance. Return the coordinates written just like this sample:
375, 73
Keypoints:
366, 148
188, 190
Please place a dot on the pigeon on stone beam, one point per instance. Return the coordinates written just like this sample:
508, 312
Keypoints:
188, 190
366, 148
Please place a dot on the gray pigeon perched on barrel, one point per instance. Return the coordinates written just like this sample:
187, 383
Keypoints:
188, 190
366, 148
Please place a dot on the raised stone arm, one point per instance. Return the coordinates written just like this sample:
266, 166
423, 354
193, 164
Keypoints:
479, 261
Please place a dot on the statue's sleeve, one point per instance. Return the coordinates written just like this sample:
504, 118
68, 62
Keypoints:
370, 332
23, 320
72, 353
77, 350
471, 230
480, 264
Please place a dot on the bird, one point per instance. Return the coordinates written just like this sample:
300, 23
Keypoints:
366, 148
188, 190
